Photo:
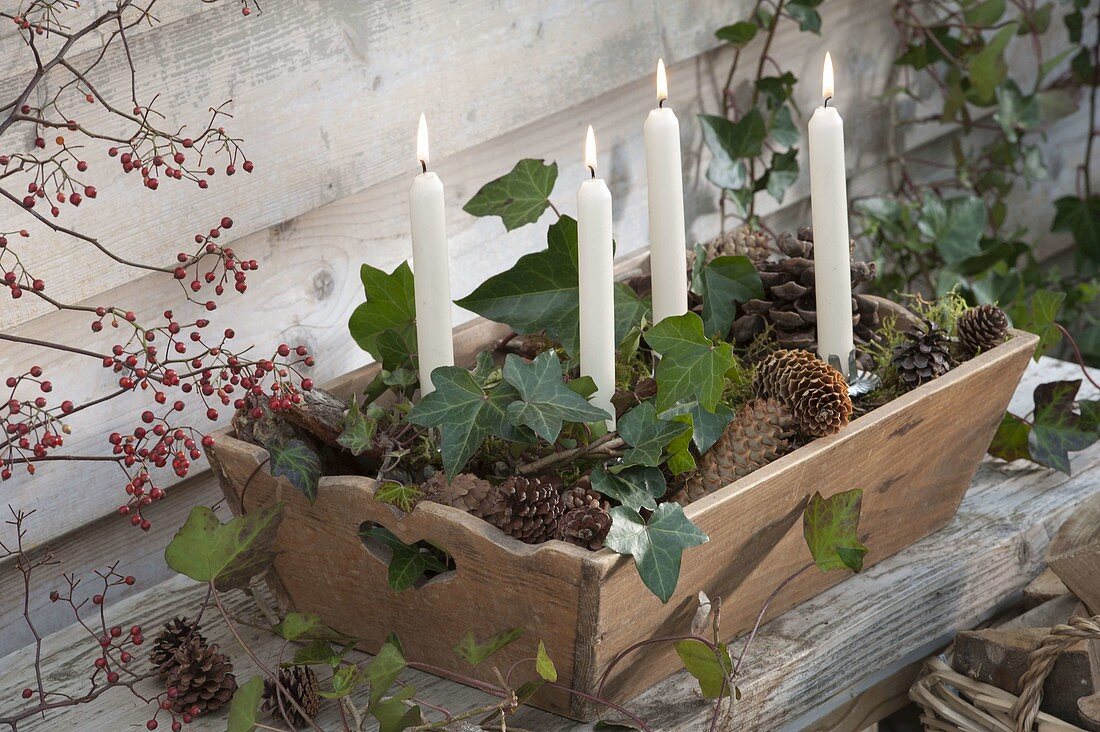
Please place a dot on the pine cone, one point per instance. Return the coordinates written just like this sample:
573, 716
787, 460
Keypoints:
756, 245
466, 491
925, 354
789, 304
814, 391
176, 632
981, 328
581, 495
202, 677
586, 527
525, 508
301, 684
758, 434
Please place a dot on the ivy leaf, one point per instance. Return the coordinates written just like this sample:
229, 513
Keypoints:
541, 292
1011, 441
986, 13
723, 282
1058, 430
803, 11
1038, 314
1080, 217
1015, 112
383, 670
297, 462
712, 670
307, 627
783, 127
358, 433
244, 710
737, 34
465, 414
397, 494
782, 174
656, 546
776, 89
344, 681
518, 197
385, 325
474, 653
953, 226
544, 666
408, 562
228, 554
393, 715
830, 526
706, 427
647, 435
635, 487
731, 142
544, 399
691, 364
988, 68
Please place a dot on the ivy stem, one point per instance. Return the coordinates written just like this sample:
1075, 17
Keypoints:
763, 611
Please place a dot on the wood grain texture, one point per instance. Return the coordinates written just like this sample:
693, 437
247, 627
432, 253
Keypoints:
1075, 554
307, 285
911, 457
895, 613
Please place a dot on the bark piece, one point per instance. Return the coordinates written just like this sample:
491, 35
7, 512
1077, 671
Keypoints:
1000, 657
1074, 555
320, 413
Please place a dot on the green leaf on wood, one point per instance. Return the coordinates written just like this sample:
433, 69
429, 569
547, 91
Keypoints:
647, 435
307, 627
344, 681
1011, 441
408, 562
357, 435
229, 554
298, 463
657, 545
706, 427
394, 715
545, 401
723, 282
518, 197
541, 292
397, 494
691, 365
383, 670
544, 666
634, 487
475, 652
830, 526
465, 413
385, 325
710, 668
1057, 428
244, 710
737, 34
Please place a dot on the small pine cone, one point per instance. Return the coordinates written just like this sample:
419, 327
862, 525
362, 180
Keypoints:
981, 328
756, 245
925, 354
176, 632
525, 508
586, 527
465, 491
761, 432
814, 391
202, 677
581, 495
302, 686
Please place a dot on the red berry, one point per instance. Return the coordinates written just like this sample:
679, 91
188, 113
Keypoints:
151, 724
248, 166
89, 191
28, 693
97, 599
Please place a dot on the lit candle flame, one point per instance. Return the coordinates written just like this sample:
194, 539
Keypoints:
827, 77
662, 81
422, 142
590, 150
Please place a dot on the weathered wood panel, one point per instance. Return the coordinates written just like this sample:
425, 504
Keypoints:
898, 611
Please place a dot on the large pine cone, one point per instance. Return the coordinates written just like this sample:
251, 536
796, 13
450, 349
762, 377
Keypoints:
525, 508
814, 391
176, 632
789, 304
465, 491
202, 677
981, 328
758, 434
581, 495
925, 354
301, 684
586, 527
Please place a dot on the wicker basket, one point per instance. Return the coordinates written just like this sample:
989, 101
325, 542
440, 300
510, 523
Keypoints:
951, 701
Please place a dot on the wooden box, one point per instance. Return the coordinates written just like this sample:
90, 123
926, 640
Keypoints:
914, 459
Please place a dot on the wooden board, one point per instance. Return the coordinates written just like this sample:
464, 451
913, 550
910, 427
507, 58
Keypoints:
832, 646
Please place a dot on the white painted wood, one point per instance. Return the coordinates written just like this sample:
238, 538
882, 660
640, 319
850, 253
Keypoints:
835, 644
308, 285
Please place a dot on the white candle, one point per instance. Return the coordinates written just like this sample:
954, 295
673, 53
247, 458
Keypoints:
595, 260
431, 276
832, 259
667, 246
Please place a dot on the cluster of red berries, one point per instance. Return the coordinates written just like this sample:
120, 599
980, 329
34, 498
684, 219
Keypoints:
226, 262
28, 430
164, 157
12, 273
53, 183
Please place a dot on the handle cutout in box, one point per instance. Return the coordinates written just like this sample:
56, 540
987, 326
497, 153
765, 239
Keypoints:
408, 565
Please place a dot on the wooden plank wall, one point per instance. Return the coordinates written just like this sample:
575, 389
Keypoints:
326, 96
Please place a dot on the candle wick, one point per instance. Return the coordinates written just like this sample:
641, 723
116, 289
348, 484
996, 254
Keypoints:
423, 166
827, 99
661, 102
592, 169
